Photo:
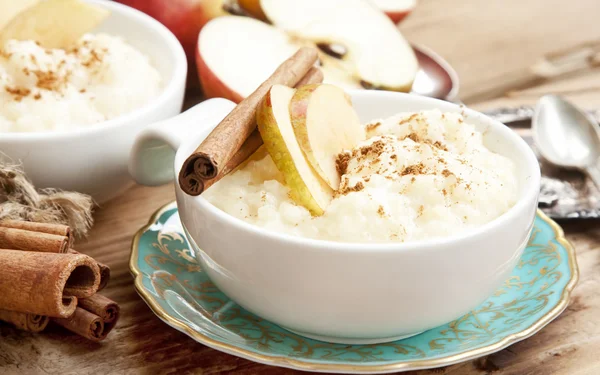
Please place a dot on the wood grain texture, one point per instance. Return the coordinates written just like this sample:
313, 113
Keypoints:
492, 45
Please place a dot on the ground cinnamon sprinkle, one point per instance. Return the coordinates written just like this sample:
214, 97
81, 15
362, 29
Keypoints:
446, 173
345, 189
358, 187
373, 126
440, 145
414, 137
415, 169
381, 211
18, 93
375, 148
408, 119
52, 78
417, 139
341, 163
94, 58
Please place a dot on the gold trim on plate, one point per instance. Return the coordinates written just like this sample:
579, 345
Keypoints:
303, 365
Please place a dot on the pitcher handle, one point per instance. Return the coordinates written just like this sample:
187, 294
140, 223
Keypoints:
152, 157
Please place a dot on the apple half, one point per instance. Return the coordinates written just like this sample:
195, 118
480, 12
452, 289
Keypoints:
361, 47
375, 51
275, 127
396, 10
236, 54
185, 18
325, 124
252, 7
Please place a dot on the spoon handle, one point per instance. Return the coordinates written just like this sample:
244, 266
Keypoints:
594, 173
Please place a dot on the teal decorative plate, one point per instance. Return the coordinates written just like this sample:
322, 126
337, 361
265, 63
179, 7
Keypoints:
169, 278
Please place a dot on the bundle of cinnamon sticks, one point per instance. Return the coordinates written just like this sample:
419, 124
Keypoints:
236, 138
43, 279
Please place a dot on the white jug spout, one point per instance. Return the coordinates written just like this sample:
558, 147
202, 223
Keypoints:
152, 157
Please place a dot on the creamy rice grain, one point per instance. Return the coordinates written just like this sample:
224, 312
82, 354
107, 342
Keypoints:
417, 176
100, 78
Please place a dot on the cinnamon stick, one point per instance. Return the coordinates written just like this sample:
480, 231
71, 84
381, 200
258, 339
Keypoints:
104, 275
45, 283
104, 271
254, 141
314, 75
24, 321
104, 307
22, 239
83, 323
57, 229
252, 144
207, 161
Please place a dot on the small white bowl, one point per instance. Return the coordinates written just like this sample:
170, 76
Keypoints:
343, 292
93, 159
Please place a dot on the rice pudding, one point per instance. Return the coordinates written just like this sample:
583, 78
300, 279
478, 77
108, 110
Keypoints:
416, 176
97, 79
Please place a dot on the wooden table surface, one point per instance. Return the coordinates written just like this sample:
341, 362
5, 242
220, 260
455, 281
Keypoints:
492, 44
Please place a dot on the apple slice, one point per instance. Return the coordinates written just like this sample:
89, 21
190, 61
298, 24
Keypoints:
325, 124
377, 54
54, 23
275, 127
10, 8
397, 10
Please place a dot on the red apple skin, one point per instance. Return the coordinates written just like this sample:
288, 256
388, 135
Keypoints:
396, 17
212, 86
185, 18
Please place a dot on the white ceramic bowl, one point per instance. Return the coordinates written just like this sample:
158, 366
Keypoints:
93, 159
341, 292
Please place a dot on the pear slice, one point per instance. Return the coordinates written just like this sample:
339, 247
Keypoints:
54, 23
273, 119
325, 124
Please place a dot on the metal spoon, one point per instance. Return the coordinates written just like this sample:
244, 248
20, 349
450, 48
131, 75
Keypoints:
435, 77
566, 136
